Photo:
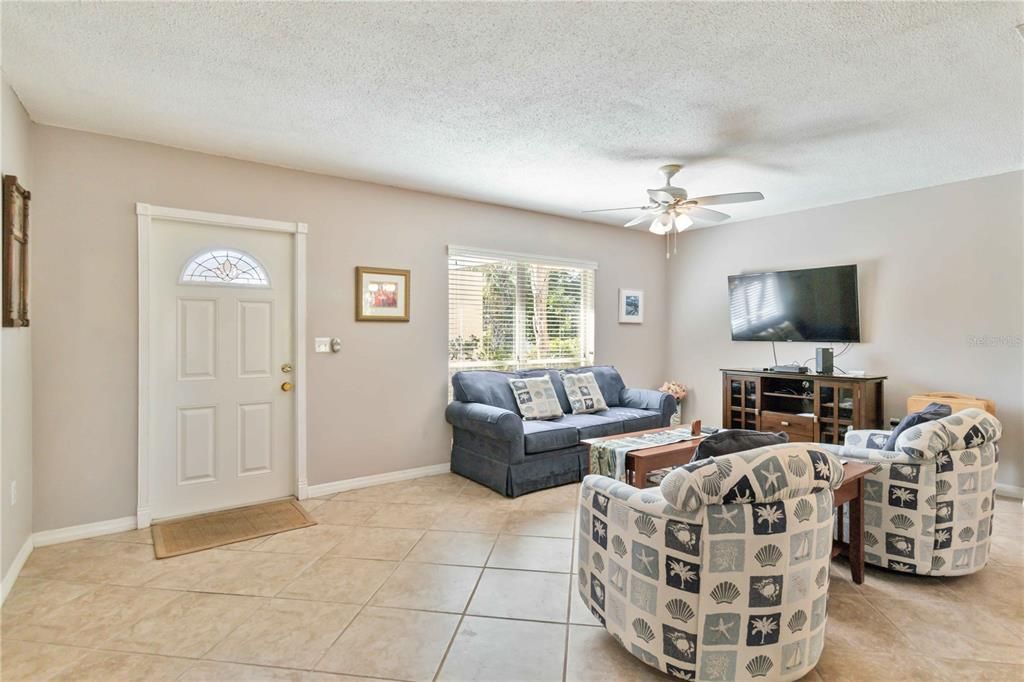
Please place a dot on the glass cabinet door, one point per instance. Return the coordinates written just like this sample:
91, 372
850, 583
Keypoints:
836, 406
743, 403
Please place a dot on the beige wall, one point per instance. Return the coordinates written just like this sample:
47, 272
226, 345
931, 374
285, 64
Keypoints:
375, 407
938, 266
15, 363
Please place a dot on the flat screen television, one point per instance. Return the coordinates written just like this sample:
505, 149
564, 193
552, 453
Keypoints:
818, 304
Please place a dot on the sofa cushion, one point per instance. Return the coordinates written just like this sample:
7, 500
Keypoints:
489, 388
728, 441
592, 425
556, 381
584, 394
536, 397
633, 418
544, 436
930, 413
608, 379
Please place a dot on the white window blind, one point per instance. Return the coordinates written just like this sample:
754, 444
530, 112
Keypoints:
511, 311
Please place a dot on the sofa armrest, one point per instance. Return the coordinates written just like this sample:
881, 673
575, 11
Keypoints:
648, 399
872, 439
871, 455
486, 420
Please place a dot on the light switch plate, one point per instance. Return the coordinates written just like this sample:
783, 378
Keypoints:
322, 344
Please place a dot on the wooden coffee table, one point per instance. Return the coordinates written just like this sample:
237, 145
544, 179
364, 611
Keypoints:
851, 494
639, 463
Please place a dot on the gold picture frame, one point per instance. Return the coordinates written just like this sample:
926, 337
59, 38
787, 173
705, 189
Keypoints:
15, 246
382, 294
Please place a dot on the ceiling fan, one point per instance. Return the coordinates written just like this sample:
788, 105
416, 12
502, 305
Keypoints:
671, 210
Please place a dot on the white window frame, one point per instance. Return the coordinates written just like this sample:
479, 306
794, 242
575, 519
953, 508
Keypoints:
587, 316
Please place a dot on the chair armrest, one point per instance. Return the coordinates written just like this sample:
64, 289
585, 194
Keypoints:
648, 399
486, 420
872, 439
872, 455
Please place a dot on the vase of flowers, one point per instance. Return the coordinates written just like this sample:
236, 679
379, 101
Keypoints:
677, 391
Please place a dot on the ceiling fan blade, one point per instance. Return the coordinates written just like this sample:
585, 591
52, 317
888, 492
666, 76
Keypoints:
734, 198
707, 215
642, 218
623, 208
661, 196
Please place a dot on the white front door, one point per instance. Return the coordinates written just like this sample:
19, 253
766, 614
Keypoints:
221, 349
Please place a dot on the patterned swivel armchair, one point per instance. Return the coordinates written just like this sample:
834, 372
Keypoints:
928, 508
722, 573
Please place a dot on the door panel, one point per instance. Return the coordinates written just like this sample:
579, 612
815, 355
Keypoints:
197, 444
255, 325
197, 338
221, 429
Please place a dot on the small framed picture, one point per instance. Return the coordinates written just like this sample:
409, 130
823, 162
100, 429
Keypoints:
382, 295
631, 306
15, 247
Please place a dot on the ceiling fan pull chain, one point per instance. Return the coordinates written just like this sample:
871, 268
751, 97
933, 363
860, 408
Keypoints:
675, 242
668, 242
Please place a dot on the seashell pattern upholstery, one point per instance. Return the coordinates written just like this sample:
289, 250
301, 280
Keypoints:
729, 585
929, 507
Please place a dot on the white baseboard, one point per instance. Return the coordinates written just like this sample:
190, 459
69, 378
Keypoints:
86, 530
1008, 490
377, 479
15, 568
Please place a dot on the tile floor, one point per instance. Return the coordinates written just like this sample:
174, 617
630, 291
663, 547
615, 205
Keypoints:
440, 578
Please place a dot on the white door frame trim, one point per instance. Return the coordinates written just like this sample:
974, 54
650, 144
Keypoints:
145, 214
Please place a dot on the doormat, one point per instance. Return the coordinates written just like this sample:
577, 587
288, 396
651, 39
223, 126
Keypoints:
196, 533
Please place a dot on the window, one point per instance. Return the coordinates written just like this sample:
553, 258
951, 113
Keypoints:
225, 266
510, 311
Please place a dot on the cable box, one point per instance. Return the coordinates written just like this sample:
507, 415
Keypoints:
789, 369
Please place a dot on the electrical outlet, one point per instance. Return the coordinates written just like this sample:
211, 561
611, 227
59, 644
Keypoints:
14, 493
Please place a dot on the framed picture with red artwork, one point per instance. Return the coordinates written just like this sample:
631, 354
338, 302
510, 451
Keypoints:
382, 295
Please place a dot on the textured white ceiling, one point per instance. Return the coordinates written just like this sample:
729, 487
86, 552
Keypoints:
553, 107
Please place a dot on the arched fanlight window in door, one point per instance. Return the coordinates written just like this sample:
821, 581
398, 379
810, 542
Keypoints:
225, 266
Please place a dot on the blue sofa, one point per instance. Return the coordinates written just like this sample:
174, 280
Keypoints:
494, 446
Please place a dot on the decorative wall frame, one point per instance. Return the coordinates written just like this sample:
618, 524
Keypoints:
15, 246
631, 306
382, 294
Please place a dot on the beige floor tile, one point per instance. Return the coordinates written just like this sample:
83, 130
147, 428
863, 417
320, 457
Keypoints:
344, 513
339, 579
36, 661
847, 665
977, 671
494, 649
255, 574
545, 524
854, 624
311, 504
530, 595
38, 597
212, 671
186, 571
286, 633
91, 619
108, 666
360, 542
991, 632
562, 499
246, 545
880, 583
995, 583
840, 581
579, 612
312, 540
595, 656
530, 553
405, 516
471, 518
428, 587
116, 563
189, 626
382, 494
452, 547
485, 498
393, 643
143, 536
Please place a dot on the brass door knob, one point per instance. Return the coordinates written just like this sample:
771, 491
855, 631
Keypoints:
287, 386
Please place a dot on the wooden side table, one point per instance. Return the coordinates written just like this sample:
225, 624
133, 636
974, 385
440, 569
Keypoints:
851, 494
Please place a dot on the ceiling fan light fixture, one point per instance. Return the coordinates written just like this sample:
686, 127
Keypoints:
662, 224
682, 221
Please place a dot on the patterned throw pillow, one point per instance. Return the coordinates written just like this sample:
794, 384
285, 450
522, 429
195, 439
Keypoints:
536, 398
584, 393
